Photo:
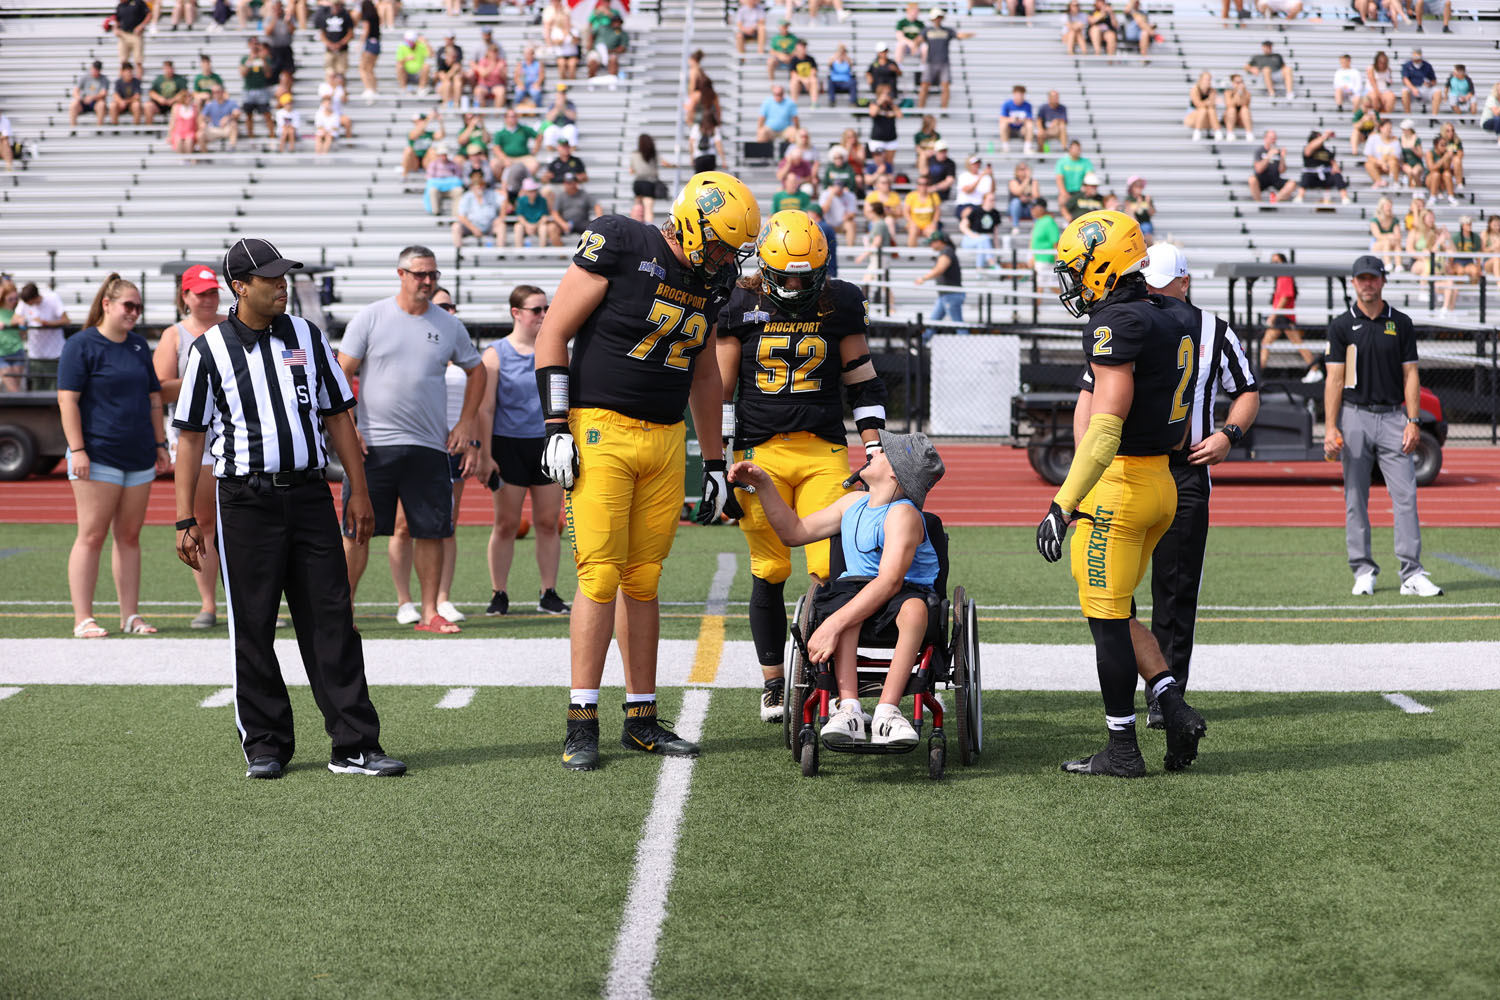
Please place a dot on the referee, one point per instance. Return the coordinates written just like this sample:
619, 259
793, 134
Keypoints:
269, 386
1177, 563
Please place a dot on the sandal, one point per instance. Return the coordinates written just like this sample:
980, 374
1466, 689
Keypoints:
89, 629
136, 625
438, 624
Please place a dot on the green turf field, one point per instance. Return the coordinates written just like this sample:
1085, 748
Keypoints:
1298, 571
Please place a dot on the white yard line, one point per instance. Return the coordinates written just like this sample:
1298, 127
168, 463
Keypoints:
457, 698
718, 590
218, 699
1406, 703
6, 692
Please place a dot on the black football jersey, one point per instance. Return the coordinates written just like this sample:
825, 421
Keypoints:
1161, 340
791, 375
635, 353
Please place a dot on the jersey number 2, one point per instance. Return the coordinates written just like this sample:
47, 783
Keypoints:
776, 373
669, 319
1185, 364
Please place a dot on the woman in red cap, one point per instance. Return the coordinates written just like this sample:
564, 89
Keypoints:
198, 305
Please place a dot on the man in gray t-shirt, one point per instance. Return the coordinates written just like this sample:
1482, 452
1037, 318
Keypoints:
400, 348
573, 207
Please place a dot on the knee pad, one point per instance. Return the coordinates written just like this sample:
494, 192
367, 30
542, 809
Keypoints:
768, 620
598, 581
640, 582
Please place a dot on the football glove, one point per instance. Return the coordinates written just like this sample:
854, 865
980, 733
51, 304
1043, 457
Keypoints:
715, 491
560, 456
1053, 529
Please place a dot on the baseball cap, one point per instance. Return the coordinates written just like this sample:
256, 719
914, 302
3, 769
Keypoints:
256, 257
882, 47
199, 279
529, 184
940, 144
935, 13
1091, 178
838, 153
938, 235
1367, 264
1407, 125
915, 462
1164, 265
974, 158
410, 37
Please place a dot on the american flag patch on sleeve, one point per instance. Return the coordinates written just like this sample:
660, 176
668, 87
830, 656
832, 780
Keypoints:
292, 358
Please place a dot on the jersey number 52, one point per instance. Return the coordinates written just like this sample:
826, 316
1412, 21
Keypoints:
672, 320
776, 373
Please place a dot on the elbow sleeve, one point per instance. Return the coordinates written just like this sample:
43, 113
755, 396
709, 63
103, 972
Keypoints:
866, 397
1091, 457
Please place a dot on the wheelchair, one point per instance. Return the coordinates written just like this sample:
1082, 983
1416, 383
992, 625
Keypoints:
949, 656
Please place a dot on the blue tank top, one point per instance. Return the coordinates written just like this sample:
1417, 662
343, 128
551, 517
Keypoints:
518, 408
863, 531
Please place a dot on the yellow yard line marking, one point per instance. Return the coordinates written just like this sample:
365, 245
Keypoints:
710, 651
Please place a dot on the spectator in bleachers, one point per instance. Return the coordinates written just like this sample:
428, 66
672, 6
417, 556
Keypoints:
389, 11
645, 168
1419, 80
449, 74
1268, 168
1457, 90
427, 129
1348, 83
559, 123
883, 71
971, 184
883, 114
1203, 114
1071, 170
1320, 169
566, 162
1464, 243
937, 65
908, 34
778, 116
1022, 191
1136, 27
474, 136
947, 273
1489, 118
573, 208
561, 39
1424, 239
1415, 161
221, 118
841, 77
183, 135
1492, 247
325, 126
706, 142
534, 225
256, 98
941, 171
1437, 8
126, 96
530, 78
1103, 32
1044, 236
840, 207
278, 35
7, 143
1052, 121
611, 41
750, 26
927, 136
476, 159
839, 168
923, 211
1449, 134
978, 228
413, 63
90, 93
481, 213
1383, 157
130, 28
512, 155
1370, 12
1075, 29
882, 194
878, 239
790, 196
1442, 176
1017, 121
1087, 199
288, 123
831, 235
1266, 65
1367, 119
1289, 9
1138, 204
597, 19
110, 402
369, 49
490, 75
444, 179
205, 80
333, 86
783, 44
12, 340
1414, 210
1237, 108
701, 99
802, 75
856, 153
1378, 83
1283, 321
164, 90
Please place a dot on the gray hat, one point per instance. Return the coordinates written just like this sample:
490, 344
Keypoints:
916, 463
1368, 264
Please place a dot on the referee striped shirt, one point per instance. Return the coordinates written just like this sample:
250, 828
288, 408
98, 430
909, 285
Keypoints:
264, 393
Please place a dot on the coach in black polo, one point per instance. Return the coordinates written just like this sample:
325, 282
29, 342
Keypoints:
269, 386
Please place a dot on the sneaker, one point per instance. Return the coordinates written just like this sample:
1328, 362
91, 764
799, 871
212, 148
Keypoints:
1364, 584
1298, 199
773, 700
644, 732
1197, 135
264, 767
1418, 585
1184, 726
1154, 718
408, 614
1219, 135
1452, 199
550, 603
1120, 758
204, 619
499, 604
846, 726
581, 747
448, 611
1313, 376
891, 729
372, 762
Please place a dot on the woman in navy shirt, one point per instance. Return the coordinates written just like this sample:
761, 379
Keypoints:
111, 413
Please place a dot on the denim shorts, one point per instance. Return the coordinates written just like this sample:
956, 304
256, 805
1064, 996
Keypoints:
101, 473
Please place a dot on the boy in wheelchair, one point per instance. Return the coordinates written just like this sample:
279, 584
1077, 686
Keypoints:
892, 567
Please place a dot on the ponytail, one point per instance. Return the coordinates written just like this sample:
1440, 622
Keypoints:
109, 290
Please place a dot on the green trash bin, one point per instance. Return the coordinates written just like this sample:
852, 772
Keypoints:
693, 481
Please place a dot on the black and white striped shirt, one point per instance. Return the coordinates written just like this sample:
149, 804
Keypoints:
264, 393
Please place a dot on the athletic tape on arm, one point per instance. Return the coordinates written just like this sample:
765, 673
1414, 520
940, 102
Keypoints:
1090, 459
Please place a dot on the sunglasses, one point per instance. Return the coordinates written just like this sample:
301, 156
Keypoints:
534, 310
134, 307
446, 306
423, 275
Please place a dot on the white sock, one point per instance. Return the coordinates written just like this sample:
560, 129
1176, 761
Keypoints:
1120, 722
886, 708
635, 699
850, 705
584, 696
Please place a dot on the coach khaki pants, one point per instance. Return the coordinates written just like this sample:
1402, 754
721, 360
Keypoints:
1370, 438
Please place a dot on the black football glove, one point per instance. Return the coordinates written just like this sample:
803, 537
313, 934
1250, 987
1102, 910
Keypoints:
1053, 529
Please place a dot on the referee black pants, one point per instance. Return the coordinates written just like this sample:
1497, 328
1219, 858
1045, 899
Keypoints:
1177, 570
275, 541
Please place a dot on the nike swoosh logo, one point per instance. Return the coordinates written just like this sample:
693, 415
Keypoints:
647, 746
835, 451
357, 760
568, 756
1357, 326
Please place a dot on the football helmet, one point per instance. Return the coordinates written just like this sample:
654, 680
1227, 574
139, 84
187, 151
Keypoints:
716, 219
1093, 254
793, 247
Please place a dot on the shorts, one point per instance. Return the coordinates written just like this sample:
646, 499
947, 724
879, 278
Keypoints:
809, 473
940, 73
455, 468
336, 60
257, 99
1286, 322
101, 473
1270, 179
883, 145
623, 510
520, 460
419, 478
1433, 7
1014, 131
19, 358
840, 592
643, 188
1133, 505
372, 46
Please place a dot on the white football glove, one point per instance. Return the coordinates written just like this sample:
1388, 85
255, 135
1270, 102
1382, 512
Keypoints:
560, 456
715, 491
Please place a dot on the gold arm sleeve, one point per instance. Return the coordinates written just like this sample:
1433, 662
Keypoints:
1090, 458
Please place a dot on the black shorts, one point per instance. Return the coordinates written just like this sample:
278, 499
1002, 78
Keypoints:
843, 590
420, 479
1283, 322
1270, 179
643, 188
520, 460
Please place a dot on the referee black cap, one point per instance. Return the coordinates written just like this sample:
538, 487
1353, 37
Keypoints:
256, 257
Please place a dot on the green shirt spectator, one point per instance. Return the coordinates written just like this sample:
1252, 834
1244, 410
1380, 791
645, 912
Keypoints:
12, 344
841, 170
1072, 168
413, 56
783, 42
910, 27
1044, 234
169, 86
515, 142
611, 36
256, 77
204, 83
422, 143
783, 200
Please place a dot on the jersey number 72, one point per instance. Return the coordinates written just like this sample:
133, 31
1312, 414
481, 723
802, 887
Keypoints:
671, 319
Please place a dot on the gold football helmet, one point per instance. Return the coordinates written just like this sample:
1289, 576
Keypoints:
793, 260
717, 219
1093, 254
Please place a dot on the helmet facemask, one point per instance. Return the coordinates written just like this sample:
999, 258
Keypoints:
1070, 280
795, 301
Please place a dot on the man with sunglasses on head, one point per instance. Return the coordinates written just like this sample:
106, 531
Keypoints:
643, 303
400, 347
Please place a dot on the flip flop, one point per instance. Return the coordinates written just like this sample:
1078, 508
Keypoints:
136, 625
438, 624
89, 629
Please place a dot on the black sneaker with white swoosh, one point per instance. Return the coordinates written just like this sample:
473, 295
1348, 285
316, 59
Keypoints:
373, 763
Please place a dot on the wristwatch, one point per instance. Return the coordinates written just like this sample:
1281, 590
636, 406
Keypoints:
1414, 420
1234, 434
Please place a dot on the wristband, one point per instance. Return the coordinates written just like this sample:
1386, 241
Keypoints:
552, 384
1414, 420
186, 523
872, 447
1234, 434
162, 445
76, 450
727, 422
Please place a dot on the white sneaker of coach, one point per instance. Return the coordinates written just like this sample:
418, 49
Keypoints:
1364, 585
408, 614
448, 611
1418, 585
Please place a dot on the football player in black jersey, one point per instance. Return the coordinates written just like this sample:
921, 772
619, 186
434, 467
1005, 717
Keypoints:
789, 337
642, 303
1144, 358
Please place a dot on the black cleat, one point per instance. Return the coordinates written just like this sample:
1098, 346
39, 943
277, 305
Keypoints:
643, 732
549, 603
1120, 758
1184, 726
773, 700
372, 763
264, 767
1154, 718
581, 747
499, 604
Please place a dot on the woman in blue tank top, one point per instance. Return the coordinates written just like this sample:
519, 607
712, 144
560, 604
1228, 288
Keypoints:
891, 568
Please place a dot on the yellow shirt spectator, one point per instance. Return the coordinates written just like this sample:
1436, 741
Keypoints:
922, 207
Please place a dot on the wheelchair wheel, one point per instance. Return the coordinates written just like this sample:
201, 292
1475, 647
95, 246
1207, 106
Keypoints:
965, 679
937, 759
810, 757
799, 678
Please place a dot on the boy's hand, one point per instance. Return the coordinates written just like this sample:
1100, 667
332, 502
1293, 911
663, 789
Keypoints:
824, 641
748, 474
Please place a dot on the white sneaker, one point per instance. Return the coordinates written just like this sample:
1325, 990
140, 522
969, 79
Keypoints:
1364, 585
448, 611
1298, 198
1219, 135
846, 726
1197, 135
1418, 585
844, 15
408, 614
1028, 149
1313, 376
890, 728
